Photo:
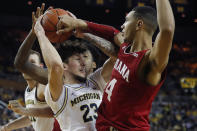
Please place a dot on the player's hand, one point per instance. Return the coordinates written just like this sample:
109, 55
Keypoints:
38, 27
78, 34
65, 24
15, 106
36, 15
4, 128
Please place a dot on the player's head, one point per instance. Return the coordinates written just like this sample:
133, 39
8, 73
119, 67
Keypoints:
77, 59
139, 19
34, 58
93, 57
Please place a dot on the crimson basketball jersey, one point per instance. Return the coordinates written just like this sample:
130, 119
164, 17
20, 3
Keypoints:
126, 102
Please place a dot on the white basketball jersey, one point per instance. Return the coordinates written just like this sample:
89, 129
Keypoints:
38, 123
76, 108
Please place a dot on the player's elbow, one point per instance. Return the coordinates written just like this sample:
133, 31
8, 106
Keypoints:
17, 64
168, 30
167, 35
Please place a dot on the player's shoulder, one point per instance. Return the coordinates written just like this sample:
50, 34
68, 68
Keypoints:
75, 87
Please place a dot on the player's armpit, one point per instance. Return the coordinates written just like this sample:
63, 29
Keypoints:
107, 69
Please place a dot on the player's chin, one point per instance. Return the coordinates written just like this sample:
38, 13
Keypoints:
82, 74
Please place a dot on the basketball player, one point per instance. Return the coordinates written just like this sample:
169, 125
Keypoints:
139, 71
34, 98
81, 119
34, 94
73, 99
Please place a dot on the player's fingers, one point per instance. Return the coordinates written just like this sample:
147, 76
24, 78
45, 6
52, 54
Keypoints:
42, 8
37, 12
59, 25
33, 18
12, 101
63, 31
60, 18
50, 7
14, 105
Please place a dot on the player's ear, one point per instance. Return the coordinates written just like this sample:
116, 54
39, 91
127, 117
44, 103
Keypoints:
65, 66
139, 24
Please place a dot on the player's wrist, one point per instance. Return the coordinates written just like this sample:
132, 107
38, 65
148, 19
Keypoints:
81, 24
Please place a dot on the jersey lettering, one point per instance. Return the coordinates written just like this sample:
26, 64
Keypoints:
110, 88
122, 69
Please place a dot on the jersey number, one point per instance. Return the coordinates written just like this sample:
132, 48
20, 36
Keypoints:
110, 88
87, 109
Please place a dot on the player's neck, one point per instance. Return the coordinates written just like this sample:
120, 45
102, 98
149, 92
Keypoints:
70, 80
31, 84
142, 41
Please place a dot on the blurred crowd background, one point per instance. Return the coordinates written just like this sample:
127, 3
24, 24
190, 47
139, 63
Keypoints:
175, 107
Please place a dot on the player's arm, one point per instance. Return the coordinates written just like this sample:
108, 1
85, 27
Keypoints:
160, 53
67, 23
21, 122
52, 60
109, 49
21, 60
39, 112
105, 46
107, 69
15, 106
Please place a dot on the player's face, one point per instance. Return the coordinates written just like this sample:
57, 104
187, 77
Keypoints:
34, 59
88, 60
129, 27
76, 65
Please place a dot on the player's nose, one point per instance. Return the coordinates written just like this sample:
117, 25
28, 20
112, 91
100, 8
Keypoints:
82, 61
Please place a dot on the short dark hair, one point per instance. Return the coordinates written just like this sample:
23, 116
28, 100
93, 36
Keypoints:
69, 48
148, 15
31, 52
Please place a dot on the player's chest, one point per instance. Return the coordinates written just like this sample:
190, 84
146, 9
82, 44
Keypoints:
77, 98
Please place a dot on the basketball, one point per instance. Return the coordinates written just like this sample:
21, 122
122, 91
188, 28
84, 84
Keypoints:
49, 23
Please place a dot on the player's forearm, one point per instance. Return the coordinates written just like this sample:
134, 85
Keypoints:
19, 123
165, 16
164, 39
39, 112
104, 31
22, 54
105, 46
50, 55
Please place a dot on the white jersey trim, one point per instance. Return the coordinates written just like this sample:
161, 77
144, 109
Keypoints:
65, 103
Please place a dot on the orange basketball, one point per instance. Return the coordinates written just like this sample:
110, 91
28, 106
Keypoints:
49, 22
